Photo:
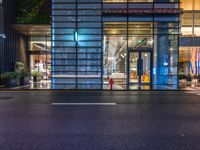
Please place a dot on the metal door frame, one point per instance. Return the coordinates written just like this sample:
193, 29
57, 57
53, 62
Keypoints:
140, 51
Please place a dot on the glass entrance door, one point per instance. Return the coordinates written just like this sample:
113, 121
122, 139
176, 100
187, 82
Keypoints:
140, 70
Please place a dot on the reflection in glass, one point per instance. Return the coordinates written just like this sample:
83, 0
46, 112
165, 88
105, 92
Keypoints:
42, 43
189, 60
145, 57
196, 4
140, 35
133, 68
115, 58
187, 4
139, 67
165, 57
41, 63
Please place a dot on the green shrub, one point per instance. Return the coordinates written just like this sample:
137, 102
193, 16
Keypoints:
33, 11
36, 74
25, 74
8, 75
19, 67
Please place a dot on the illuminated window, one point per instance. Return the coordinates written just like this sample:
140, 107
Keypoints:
187, 4
190, 19
186, 19
115, 54
196, 4
188, 60
120, 1
197, 24
187, 23
190, 4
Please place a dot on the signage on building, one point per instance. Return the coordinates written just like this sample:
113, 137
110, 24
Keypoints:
141, 11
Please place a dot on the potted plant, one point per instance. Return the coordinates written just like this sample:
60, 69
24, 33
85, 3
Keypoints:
188, 77
19, 67
10, 79
182, 76
195, 76
24, 78
182, 79
36, 76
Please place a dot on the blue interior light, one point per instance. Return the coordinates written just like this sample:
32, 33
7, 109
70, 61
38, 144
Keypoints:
76, 36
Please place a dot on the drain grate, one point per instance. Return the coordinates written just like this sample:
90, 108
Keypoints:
5, 98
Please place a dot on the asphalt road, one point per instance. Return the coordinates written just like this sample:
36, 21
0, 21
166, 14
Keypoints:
109, 120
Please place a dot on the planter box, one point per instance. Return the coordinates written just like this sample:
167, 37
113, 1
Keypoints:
182, 83
188, 83
1, 82
24, 81
36, 79
11, 82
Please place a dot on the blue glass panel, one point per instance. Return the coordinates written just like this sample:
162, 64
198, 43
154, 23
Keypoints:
89, 6
89, 86
89, 37
89, 44
89, 62
89, 25
64, 80
89, 50
89, 56
90, 81
79, 60
64, 18
63, 6
64, 12
64, 68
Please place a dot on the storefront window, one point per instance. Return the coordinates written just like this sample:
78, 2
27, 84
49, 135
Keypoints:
189, 58
190, 19
187, 4
140, 35
165, 56
196, 4
197, 24
40, 58
187, 23
115, 54
41, 43
41, 63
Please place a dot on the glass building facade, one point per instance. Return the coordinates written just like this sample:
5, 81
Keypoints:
189, 50
134, 42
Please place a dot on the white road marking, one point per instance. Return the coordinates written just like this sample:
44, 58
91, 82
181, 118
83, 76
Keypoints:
84, 104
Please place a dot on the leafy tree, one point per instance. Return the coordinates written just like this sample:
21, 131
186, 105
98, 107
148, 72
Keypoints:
33, 11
